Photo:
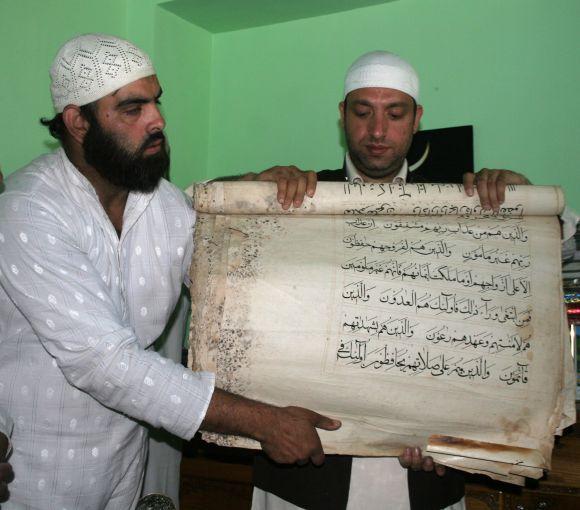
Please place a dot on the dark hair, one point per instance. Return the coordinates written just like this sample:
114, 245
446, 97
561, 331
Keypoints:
56, 126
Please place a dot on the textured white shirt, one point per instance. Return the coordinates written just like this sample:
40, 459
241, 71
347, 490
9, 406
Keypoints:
80, 309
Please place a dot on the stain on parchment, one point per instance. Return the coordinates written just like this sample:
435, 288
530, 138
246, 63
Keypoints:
513, 430
244, 246
245, 249
247, 239
469, 444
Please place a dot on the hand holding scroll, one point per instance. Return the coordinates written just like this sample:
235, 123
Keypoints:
412, 458
293, 183
287, 434
491, 185
293, 435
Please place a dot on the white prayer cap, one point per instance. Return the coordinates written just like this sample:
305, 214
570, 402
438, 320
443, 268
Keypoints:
382, 69
90, 66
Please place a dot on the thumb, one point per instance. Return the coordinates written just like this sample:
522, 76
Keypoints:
326, 423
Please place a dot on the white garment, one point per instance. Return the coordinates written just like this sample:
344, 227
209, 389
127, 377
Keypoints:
162, 470
80, 309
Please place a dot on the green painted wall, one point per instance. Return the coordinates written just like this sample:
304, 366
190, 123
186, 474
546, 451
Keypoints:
509, 67
181, 52
31, 32
183, 62
246, 100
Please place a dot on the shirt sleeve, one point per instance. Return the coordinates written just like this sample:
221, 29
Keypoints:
53, 283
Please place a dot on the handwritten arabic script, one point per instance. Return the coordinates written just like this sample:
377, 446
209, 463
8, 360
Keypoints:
397, 309
436, 295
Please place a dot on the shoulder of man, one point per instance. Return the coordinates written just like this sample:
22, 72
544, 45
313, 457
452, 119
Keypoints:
32, 177
168, 191
34, 191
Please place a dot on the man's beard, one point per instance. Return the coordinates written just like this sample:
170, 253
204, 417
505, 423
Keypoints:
126, 170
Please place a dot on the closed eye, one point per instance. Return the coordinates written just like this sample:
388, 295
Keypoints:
133, 111
361, 113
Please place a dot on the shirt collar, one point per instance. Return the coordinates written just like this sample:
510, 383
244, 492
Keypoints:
353, 175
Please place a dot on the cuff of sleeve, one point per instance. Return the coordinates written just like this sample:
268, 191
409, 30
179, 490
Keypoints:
206, 386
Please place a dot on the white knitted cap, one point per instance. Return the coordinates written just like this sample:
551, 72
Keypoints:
382, 69
90, 66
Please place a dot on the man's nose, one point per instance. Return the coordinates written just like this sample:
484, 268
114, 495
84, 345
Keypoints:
157, 121
378, 126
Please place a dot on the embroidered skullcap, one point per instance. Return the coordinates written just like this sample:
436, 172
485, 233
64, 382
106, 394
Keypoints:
90, 66
382, 69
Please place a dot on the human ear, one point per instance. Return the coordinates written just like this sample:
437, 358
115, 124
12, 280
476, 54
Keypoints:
76, 124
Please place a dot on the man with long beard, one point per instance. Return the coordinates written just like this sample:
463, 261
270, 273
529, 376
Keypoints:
94, 249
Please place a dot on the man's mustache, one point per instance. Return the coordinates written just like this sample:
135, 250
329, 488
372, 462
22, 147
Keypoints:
152, 139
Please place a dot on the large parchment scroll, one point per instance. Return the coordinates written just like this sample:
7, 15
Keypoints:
405, 311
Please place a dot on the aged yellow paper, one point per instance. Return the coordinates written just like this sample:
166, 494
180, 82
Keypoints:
405, 311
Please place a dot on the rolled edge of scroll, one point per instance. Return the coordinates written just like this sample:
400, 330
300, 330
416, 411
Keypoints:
517, 455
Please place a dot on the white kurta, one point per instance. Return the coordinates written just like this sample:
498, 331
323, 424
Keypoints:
80, 308
162, 469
